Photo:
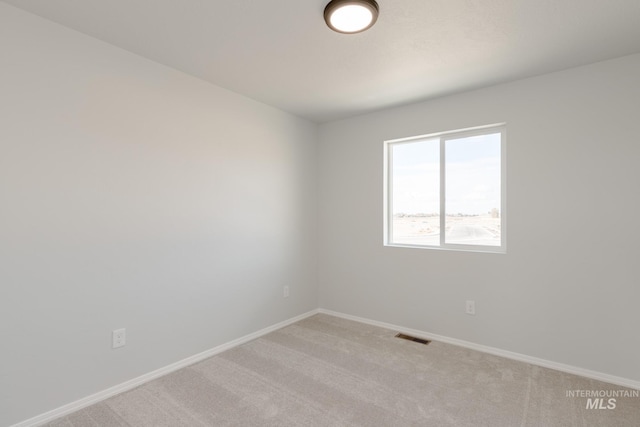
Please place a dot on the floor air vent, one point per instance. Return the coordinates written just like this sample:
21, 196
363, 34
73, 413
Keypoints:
410, 338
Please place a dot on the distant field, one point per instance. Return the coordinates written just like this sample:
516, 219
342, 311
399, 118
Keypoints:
425, 230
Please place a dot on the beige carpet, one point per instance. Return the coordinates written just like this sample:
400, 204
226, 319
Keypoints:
326, 371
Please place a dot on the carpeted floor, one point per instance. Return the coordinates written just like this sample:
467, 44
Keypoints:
326, 371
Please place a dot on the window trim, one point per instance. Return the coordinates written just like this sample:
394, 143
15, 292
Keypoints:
443, 137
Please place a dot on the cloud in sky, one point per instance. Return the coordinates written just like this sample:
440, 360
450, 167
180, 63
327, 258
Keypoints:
472, 177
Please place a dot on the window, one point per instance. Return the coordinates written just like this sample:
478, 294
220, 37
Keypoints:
447, 190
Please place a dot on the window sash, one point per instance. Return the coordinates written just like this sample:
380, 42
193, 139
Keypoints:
389, 239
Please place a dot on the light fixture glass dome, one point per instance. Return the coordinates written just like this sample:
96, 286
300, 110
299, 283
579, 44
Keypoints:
351, 16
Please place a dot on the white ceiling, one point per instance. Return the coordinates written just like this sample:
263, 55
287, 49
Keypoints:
281, 53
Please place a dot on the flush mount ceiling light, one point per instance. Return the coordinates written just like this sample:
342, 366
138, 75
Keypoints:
351, 16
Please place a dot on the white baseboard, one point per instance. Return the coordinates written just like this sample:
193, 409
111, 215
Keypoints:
128, 385
496, 351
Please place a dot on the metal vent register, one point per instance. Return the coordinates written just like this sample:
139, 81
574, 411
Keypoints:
410, 338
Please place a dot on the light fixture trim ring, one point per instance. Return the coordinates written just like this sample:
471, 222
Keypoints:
334, 5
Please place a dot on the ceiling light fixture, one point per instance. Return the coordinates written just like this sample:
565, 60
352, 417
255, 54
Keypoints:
351, 16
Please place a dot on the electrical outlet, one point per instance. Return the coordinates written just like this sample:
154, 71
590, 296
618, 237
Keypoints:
119, 338
285, 292
470, 307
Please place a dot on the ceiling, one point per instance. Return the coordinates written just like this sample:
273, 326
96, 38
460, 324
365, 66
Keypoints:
281, 53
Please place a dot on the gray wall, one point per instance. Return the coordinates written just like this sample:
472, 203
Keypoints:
567, 290
135, 196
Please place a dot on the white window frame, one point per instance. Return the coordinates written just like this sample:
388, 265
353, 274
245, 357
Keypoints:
443, 137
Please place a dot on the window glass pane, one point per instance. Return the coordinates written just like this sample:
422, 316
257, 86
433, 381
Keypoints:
416, 193
472, 190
